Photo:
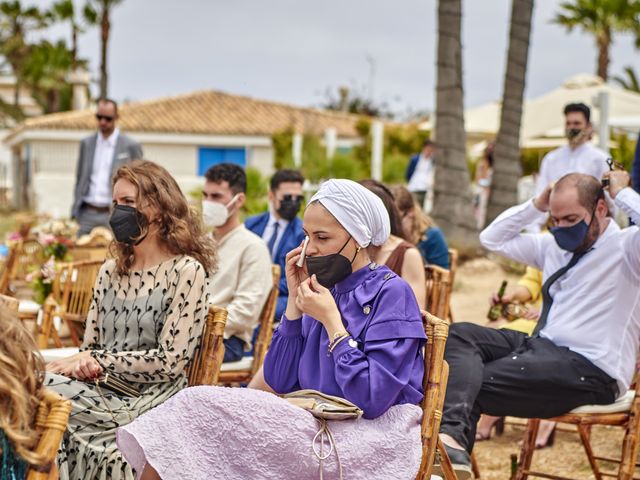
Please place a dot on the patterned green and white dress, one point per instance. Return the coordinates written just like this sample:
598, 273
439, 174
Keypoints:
142, 327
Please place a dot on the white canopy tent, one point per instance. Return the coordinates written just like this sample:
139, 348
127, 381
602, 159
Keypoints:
543, 122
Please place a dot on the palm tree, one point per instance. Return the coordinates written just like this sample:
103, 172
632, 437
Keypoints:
601, 18
453, 209
65, 11
16, 23
100, 12
630, 82
506, 166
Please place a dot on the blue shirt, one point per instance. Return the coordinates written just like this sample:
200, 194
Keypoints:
433, 248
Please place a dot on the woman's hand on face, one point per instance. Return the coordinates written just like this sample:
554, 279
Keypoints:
317, 302
295, 274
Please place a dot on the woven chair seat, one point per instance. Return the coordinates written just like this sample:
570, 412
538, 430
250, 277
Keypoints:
622, 404
244, 364
51, 354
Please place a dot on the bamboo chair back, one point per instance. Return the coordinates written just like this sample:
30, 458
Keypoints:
51, 420
207, 358
264, 335
30, 258
438, 290
9, 267
453, 264
436, 372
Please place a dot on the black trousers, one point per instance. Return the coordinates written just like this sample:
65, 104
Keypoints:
504, 372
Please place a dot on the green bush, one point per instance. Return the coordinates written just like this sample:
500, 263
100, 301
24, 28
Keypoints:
257, 188
394, 167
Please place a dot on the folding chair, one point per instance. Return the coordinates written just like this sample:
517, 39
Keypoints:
243, 370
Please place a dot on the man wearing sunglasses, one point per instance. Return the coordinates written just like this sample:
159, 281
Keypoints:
280, 227
100, 156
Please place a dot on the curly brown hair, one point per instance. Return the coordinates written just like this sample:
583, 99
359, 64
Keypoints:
421, 221
181, 226
21, 377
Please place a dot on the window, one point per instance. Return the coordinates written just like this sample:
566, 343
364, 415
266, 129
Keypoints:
210, 156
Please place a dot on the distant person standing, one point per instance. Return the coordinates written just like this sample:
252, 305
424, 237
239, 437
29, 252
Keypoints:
420, 173
579, 155
280, 227
100, 156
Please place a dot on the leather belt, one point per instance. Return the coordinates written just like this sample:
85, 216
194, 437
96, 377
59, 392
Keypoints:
96, 208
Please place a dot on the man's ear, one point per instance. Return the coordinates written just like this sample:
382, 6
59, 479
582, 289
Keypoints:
242, 198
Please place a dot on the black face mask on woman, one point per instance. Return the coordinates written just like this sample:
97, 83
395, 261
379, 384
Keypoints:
330, 269
127, 224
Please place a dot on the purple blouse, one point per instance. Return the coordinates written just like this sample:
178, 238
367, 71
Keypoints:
383, 368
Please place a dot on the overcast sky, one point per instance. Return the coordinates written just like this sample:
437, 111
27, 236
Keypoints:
293, 50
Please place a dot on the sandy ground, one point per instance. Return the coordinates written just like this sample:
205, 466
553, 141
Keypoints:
475, 282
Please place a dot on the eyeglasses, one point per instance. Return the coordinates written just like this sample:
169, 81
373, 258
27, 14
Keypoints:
106, 118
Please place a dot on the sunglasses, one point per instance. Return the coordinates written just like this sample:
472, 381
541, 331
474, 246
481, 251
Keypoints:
104, 117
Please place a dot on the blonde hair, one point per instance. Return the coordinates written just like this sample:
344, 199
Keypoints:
181, 226
421, 222
21, 377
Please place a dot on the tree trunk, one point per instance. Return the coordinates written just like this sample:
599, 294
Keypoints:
506, 154
74, 46
453, 210
105, 27
604, 42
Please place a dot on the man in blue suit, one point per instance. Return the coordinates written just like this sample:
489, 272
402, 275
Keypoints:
419, 173
280, 228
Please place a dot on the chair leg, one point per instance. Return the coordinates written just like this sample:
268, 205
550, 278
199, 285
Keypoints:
445, 463
584, 437
630, 445
474, 466
528, 447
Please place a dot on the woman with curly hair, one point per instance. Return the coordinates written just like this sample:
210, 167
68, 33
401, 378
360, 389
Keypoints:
147, 314
20, 391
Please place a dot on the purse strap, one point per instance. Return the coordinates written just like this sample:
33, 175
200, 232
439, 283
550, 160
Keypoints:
324, 429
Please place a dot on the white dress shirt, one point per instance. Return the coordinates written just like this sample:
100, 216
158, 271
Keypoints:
100, 182
268, 231
422, 178
561, 161
242, 282
596, 304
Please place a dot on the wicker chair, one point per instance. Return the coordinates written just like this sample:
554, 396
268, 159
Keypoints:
51, 421
30, 257
624, 412
70, 301
436, 372
453, 269
438, 290
9, 267
207, 359
10, 303
243, 370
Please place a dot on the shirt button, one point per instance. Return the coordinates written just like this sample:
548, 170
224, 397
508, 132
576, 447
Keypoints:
353, 343
366, 310
387, 276
582, 379
514, 357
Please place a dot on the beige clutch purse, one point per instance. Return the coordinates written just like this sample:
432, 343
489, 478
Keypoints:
326, 407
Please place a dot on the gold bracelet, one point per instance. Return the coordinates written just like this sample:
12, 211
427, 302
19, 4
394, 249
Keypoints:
337, 340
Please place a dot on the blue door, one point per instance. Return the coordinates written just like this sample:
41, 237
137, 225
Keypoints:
208, 157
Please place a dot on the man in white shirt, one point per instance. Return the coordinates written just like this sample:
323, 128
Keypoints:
100, 156
579, 155
243, 279
420, 174
584, 348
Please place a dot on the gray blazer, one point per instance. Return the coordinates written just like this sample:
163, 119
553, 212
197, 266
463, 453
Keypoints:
127, 149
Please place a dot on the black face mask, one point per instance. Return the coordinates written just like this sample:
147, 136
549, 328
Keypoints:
127, 224
289, 208
330, 269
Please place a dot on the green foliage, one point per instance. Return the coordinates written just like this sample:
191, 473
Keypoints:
315, 166
629, 81
393, 168
257, 188
624, 151
345, 166
282, 148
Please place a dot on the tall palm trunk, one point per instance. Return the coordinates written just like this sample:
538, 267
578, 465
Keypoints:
506, 166
105, 26
603, 40
453, 209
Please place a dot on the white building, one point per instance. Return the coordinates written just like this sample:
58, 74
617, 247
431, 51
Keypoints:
186, 134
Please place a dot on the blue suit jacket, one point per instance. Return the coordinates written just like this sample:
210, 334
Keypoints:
411, 167
291, 238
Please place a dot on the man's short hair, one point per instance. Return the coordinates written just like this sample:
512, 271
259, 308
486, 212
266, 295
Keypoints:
285, 176
578, 107
108, 100
588, 187
228, 172
428, 143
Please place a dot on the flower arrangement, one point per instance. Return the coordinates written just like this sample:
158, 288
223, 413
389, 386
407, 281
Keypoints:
41, 281
54, 246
